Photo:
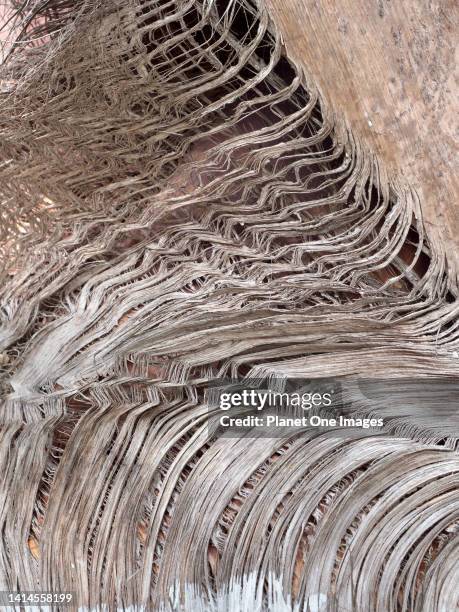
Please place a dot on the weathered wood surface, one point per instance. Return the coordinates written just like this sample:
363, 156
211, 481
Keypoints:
391, 69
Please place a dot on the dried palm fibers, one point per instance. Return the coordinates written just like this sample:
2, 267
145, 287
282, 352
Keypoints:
177, 205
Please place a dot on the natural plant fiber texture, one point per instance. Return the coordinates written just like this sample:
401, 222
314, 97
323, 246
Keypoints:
178, 204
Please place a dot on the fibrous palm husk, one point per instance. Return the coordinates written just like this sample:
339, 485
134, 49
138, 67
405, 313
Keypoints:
179, 205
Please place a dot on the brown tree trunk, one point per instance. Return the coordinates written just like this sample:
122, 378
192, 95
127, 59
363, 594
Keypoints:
390, 68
